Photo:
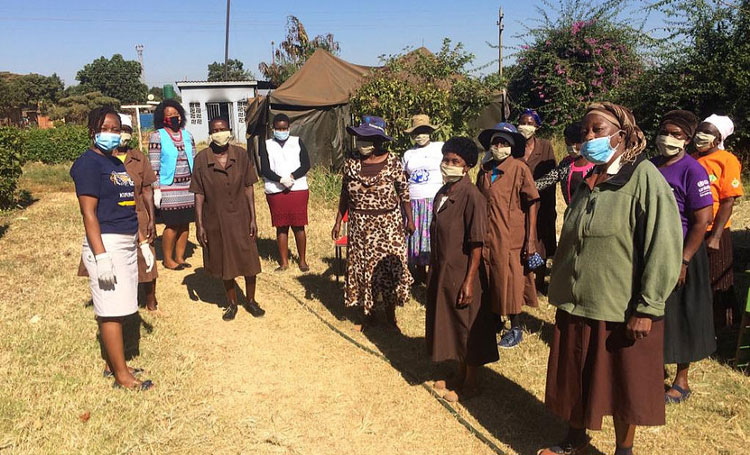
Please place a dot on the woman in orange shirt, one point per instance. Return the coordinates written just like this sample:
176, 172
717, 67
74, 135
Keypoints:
726, 185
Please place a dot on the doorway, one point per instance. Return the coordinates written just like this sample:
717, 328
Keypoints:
220, 110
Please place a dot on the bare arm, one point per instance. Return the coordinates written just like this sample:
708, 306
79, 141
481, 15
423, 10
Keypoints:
148, 198
722, 217
88, 206
250, 197
343, 208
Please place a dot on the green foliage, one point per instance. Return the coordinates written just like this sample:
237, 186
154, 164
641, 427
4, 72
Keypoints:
115, 78
28, 91
420, 82
76, 108
325, 184
294, 51
10, 170
11, 138
55, 145
583, 55
158, 93
704, 67
235, 71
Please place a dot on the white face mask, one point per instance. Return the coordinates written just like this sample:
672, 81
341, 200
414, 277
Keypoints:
500, 153
527, 130
669, 145
450, 173
365, 148
421, 139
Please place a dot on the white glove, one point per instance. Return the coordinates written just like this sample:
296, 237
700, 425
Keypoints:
157, 198
148, 256
105, 271
287, 181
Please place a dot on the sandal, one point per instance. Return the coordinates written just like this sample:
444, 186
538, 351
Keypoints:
134, 372
142, 385
177, 267
684, 395
565, 448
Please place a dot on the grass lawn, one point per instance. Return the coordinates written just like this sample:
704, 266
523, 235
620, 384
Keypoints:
284, 384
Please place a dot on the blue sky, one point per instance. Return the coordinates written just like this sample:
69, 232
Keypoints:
181, 37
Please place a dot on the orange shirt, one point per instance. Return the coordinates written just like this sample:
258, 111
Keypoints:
724, 174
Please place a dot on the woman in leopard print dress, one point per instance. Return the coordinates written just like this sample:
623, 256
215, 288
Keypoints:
375, 191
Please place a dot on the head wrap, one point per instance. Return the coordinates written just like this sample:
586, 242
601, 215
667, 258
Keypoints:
621, 117
685, 120
532, 113
722, 123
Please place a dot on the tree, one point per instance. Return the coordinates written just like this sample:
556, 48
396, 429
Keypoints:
158, 93
584, 54
31, 91
114, 77
235, 71
420, 82
76, 108
704, 66
294, 51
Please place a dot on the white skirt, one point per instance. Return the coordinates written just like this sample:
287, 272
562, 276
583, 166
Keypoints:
123, 299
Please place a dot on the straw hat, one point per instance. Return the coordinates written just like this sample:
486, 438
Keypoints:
420, 120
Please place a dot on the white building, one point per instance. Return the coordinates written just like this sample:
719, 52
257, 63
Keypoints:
204, 100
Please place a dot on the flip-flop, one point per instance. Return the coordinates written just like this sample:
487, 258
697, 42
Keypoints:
684, 395
143, 386
178, 267
109, 374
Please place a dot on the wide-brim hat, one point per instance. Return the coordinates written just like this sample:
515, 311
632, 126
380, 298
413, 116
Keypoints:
420, 120
370, 126
507, 132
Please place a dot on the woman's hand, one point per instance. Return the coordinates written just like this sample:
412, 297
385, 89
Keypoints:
253, 228
410, 227
150, 231
465, 295
201, 234
683, 275
713, 244
638, 327
336, 231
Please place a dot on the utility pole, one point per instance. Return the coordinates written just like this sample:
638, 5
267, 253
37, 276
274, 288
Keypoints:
500, 28
139, 50
226, 46
273, 54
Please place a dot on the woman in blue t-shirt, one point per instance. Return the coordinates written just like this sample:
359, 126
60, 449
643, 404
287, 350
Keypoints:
106, 198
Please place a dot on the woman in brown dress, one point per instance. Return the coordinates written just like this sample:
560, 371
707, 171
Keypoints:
375, 191
458, 326
540, 157
512, 198
223, 178
617, 262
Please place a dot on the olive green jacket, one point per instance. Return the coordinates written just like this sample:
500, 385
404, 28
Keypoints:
620, 248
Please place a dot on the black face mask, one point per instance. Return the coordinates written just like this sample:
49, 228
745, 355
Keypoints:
172, 123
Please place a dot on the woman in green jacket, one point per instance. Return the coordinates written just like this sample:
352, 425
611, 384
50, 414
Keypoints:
617, 261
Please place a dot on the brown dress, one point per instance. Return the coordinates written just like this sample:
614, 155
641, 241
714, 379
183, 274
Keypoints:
376, 264
230, 252
465, 334
508, 201
541, 161
139, 169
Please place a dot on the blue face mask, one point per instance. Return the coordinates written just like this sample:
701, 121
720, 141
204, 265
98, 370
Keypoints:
107, 142
281, 135
599, 150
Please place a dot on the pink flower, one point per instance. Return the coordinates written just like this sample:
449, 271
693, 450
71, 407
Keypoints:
600, 70
541, 96
577, 26
524, 46
547, 43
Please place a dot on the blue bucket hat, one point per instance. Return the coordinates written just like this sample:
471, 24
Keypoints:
507, 132
371, 126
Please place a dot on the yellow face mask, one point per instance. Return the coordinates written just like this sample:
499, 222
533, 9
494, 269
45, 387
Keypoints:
365, 148
500, 153
450, 173
221, 138
703, 141
669, 145
527, 130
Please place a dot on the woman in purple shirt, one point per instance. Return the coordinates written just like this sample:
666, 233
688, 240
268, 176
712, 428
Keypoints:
688, 319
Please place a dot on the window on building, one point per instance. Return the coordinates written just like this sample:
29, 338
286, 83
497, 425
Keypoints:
195, 114
241, 108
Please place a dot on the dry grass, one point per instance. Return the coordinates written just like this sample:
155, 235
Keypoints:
284, 384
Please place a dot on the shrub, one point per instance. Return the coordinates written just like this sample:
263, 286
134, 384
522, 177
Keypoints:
56, 145
10, 170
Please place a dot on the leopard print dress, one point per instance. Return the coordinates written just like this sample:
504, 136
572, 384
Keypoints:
377, 262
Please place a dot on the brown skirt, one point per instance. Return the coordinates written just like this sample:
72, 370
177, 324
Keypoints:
595, 371
720, 263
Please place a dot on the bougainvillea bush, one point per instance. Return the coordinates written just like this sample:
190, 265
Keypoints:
573, 63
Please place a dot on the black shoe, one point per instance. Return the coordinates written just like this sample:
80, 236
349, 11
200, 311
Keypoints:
229, 313
253, 308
